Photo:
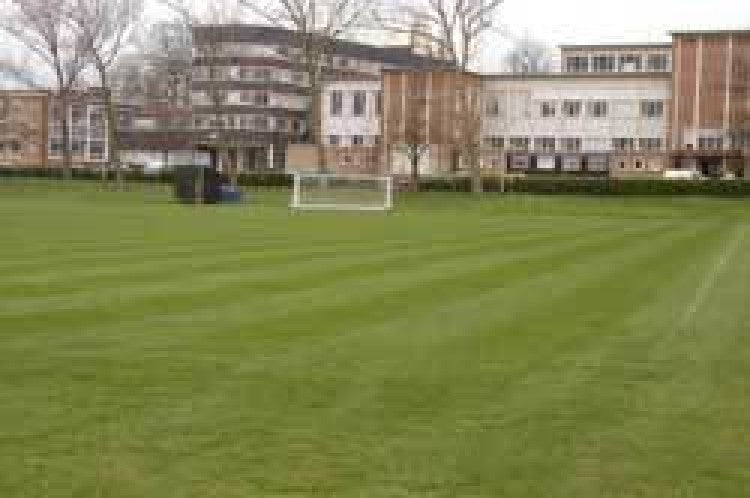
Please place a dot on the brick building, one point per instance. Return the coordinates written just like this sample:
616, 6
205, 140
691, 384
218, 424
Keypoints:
24, 128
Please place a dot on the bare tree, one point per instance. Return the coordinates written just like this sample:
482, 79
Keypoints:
527, 55
17, 72
318, 26
106, 26
45, 29
455, 28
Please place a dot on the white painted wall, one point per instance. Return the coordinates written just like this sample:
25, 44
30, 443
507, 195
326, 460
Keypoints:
521, 101
347, 125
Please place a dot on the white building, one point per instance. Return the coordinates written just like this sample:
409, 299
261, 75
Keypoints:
574, 122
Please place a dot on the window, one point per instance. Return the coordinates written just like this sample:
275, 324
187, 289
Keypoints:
649, 143
15, 146
638, 164
493, 107
652, 108
598, 109
358, 140
245, 97
571, 144
76, 114
519, 143
710, 143
199, 122
630, 63
298, 77
343, 62
56, 146
333, 140
379, 103
230, 121
572, 108
263, 74
623, 143
4, 108
260, 123
281, 124
657, 62
337, 103
261, 99
603, 63
544, 144
577, 64
495, 142
359, 103
96, 150
548, 109
244, 73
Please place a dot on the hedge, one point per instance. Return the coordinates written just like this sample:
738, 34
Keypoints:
530, 185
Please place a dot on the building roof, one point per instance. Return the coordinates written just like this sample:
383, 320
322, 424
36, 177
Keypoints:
619, 46
572, 76
250, 33
695, 32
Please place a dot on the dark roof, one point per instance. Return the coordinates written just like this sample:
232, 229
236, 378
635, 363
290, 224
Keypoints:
688, 32
568, 76
249, 33
619, 46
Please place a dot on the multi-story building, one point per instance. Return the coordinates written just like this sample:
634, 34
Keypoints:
251, 94
572, 122
710, 120
23, 128
622, 110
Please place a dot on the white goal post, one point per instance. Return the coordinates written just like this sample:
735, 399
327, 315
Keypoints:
342, 192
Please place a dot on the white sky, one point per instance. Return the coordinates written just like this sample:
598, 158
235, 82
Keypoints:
557, 22
615, 21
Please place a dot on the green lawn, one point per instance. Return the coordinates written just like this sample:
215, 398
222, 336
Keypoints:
520, 346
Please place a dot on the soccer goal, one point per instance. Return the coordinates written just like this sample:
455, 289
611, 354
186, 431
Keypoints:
342, 192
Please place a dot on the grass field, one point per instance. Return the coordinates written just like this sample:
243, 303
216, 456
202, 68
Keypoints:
525, 346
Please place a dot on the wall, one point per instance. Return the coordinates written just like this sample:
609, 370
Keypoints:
23, 128
513, 108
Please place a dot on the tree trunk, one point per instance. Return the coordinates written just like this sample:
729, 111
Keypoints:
113, 149
415, 171
476, 172
316, 133
66, 154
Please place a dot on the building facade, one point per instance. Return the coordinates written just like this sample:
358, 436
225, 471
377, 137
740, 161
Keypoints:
24, 128
251, 98
619, 110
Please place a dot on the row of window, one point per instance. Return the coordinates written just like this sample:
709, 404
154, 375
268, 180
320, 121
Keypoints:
95, 149
13, 146
279, 52
358, 103
611, 63
233, 73
250, 122
353, 140
574, 108
567, 144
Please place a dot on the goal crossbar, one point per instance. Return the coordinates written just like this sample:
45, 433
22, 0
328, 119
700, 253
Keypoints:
342, 192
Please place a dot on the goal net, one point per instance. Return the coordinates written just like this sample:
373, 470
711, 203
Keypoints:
342, 192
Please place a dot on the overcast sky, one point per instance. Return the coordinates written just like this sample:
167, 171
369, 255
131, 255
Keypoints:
603, 21
594, 21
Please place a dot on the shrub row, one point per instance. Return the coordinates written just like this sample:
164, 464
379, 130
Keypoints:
530, 185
